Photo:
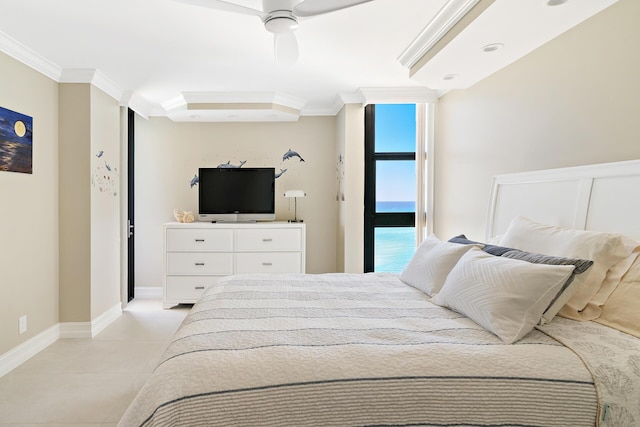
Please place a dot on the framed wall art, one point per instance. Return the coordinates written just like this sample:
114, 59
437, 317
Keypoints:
16, 142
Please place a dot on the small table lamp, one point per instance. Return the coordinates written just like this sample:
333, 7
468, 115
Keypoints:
295, 194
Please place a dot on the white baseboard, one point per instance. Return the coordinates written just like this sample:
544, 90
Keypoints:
148, 292
25, 351
93, 328
105, 319
75, 330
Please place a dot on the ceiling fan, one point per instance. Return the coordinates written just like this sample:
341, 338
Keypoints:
280, 17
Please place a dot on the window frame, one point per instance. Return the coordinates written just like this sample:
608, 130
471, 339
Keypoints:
373, 219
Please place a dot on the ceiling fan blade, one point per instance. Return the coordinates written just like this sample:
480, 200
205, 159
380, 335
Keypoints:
226, 6
285, 48
308, 8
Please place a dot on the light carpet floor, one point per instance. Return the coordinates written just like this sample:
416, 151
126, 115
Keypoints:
90, 382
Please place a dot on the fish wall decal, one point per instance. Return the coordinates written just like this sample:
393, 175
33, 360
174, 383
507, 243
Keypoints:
194, 181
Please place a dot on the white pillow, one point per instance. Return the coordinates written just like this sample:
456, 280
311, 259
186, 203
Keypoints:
604, 249
575, 280
431, 263
505, 296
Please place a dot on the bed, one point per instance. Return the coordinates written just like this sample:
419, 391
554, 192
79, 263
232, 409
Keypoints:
431, 346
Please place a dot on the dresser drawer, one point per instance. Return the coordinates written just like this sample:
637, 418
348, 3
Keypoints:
266, 262
187, 288
196, 263
195, 240
268, 239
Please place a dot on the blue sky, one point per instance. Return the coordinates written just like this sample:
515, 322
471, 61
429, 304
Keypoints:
395, 132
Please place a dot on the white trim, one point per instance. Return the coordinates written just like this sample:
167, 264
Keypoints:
93, 328
278, 98
431, 162
108, 86
351, 98
75, 330
422, 121
137, 103
444, 20
77, 75
30, 58
398, 95
105, 319
25, 351
93, 77
148, 292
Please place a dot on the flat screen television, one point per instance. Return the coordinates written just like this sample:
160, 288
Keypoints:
236, 194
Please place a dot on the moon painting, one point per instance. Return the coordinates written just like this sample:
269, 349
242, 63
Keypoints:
16, 142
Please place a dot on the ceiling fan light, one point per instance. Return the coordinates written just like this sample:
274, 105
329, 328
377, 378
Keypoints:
281, 24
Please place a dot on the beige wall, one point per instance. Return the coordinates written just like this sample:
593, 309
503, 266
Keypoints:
89, 202
168, 155
75, 200
29, 211
574, 101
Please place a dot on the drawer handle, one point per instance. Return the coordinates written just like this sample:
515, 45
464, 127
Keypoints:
267, 240
199, 287
200, 240
267, 263
199, 263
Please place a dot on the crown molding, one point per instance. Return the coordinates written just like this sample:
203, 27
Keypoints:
177, 103
233, 106
137, 103
403, 95
331, 110
444, 20
94, 77
352, 97
244, 98
20, 52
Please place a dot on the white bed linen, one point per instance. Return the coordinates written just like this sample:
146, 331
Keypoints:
353, 350
614, 359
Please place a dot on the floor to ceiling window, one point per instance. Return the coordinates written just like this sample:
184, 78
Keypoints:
391, 186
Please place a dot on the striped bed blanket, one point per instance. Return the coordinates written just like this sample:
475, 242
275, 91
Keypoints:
354, 350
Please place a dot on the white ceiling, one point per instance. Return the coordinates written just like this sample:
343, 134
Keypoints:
159, 55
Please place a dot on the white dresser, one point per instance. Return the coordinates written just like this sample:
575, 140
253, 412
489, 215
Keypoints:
197, 254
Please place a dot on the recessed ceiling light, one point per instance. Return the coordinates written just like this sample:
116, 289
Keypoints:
555, 2
492, 47
450, 77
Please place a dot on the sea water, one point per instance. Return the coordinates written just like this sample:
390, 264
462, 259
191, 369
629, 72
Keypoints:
394, 246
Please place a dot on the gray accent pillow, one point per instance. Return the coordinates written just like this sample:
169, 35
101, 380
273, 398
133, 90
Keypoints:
490, 249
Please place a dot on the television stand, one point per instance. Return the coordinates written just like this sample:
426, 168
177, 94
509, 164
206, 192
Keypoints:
198, 254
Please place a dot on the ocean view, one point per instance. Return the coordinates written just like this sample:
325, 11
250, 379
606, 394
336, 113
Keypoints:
394, 246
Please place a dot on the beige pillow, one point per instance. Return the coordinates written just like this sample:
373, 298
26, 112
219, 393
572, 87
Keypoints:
622, 309
604, 249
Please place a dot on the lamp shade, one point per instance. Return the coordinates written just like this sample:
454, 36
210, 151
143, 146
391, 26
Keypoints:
294, 193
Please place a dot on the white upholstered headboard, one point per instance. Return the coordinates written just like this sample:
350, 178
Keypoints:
603, 197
